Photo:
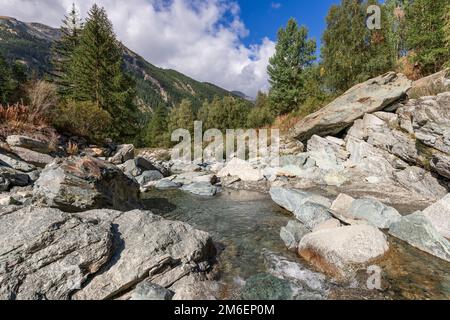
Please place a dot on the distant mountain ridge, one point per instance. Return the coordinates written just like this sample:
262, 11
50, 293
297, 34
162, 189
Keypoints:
31, 43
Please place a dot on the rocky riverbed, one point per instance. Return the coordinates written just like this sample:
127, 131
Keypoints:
361, 189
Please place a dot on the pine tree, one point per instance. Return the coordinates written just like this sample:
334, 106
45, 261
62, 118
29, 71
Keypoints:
157, 129
294, 52
96, 74
5, 81
351, 53
447, 33
261, 114
63, 50
182, 117
425, 34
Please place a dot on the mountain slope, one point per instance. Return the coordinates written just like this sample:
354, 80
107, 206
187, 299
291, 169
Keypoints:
31, 43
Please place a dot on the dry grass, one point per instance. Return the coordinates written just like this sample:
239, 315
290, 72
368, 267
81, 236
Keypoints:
286, 122
72, 148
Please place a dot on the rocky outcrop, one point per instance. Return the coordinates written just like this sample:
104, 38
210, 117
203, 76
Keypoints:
150, 248
28, 143
426, 86
123, 153
341, 251
241, 169
292, 233
439, 216
79, 184
292, 200
374, 212
12, 178
417, 230
373, 95
32, 157
48, 254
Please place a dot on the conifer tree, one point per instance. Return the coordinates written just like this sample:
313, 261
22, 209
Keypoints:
5, 81
447, 33
294, 53
96, 74
64, 48
425, 34
157, 129
181, 117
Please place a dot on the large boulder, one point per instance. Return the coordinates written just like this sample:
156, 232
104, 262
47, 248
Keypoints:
312, 214
368, 97
242, 169
375, 212
425, 86
28, 143
123, 153
12, 161
147, 247
149, 176
342, 251
439, 216
292, 233
418, 231
35, 158
136, 167
291, 199
78, 184
47, 254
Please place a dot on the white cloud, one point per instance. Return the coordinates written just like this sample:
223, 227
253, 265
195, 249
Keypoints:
276, 5
201, 38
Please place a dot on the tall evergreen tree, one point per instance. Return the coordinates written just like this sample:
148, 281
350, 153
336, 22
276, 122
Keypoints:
157, 129
64, 48
181, 117
447, 33
294, 53
425, 34
351, 53
5, 81
96, 74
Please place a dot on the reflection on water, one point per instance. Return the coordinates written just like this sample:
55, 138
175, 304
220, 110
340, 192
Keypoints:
245, 223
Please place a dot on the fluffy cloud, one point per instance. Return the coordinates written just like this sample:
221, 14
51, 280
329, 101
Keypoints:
201, 38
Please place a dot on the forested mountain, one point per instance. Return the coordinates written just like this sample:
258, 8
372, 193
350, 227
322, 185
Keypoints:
31, 43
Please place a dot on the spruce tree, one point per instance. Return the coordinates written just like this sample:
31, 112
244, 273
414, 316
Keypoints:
351, 53
63, 50
294, 52
425, 34
5, 81
157, 129
181, 117
447, 33
96, 74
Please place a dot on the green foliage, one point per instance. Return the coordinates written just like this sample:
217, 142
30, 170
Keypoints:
447, 33
156, 133
226, 113
5, 81
351, 53
261, 115
95, 74
63, 50
294, 53
83, 118
181, 117
425, 28
12, 79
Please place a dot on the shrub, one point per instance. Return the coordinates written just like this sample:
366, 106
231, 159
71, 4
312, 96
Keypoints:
43, 98
84, 119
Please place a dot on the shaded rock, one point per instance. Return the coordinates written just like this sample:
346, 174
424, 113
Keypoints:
241, 169
418, 231
291, 199
11, 178
136, 167
440, 163
147, 291
167, 184
78, 184
312, 214
373, 211
48, 254
14, 162
35, 158
27, 143
342, 251
292, 234
201, 189
123, 153
439, 216
267, 287
329, 145
148, 247
368, 97
149, 176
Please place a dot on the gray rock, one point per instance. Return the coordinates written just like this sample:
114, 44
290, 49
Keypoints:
48, 254
292, 234
28, 143
11, 178
342, 251
123, 153
440, 163
368, 97
136, 167
149, 176
150, 291
14, 162
418, 231
148, 247
291, 199
312, 214
32, 157
342, 204
373, 211
328, 224
167, 184
78, 184
439, 216
201, 189
195, 287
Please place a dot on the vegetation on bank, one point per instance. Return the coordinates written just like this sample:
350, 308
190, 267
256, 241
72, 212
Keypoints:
93, 95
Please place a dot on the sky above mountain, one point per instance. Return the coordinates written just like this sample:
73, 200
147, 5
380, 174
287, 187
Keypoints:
227, 43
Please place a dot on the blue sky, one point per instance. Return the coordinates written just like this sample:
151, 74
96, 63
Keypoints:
264, 17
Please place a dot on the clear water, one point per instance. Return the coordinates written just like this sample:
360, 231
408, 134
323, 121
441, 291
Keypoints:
245, 224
